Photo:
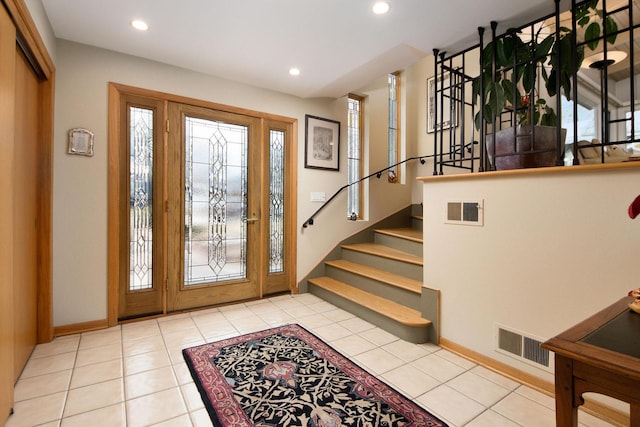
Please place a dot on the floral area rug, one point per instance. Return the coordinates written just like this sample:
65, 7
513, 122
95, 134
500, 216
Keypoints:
286, 376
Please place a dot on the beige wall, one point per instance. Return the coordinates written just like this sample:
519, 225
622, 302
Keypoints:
80, 183
553, 250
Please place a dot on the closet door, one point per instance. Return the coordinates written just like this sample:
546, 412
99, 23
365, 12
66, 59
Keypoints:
7, 84
25, 211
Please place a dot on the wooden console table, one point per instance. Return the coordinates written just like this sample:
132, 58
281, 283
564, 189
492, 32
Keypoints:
602, 355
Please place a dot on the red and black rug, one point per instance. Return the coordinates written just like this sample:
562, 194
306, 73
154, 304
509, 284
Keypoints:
288, 376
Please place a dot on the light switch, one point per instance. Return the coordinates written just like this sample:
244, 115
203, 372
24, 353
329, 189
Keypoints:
318, 196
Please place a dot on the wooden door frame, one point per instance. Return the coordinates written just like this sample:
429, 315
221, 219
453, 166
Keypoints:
7, 187
116, 91
29, 40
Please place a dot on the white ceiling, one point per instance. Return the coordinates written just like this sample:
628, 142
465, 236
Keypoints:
339, 45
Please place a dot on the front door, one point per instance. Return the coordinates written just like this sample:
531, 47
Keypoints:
205, 206
214, 212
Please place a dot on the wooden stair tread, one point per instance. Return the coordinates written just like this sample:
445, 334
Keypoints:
417, 217
396, 280
384, 251
406, 233
383, 306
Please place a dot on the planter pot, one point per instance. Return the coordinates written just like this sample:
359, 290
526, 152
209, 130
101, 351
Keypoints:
514, 148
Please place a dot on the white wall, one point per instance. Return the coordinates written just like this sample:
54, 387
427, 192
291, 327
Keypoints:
80, 183
554, 249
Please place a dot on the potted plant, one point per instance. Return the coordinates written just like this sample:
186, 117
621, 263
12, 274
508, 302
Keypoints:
510, 77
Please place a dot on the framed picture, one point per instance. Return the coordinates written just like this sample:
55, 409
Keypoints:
322, 143
448, 118
80, 142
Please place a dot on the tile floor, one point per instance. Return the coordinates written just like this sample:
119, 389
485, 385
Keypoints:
134, 375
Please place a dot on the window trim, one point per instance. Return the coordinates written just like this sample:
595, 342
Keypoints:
360, 100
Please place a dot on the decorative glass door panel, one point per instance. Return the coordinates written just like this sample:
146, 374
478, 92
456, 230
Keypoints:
276, 201
141, 199
215, 239
213, 178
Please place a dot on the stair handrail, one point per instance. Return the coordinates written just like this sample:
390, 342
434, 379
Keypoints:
378, 174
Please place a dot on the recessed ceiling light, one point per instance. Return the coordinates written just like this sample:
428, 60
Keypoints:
381, 7
139, 25
294, 71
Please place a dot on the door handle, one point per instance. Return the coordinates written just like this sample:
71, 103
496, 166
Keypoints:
251, 220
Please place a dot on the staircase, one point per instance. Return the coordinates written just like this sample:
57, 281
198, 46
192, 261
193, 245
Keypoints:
378, 276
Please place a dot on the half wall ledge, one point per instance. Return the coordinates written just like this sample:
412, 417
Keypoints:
635, 164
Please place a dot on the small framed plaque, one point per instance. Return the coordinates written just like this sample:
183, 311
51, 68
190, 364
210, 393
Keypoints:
80, 142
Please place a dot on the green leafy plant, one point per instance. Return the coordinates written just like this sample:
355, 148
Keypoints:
542, 113
511, 67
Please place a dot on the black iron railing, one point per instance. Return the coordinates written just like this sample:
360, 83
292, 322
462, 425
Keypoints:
378, 175
457, 104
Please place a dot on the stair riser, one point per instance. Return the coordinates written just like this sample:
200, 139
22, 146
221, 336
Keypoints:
430, 309
414, 248
407, 333
412, 271
416, 223
401, 296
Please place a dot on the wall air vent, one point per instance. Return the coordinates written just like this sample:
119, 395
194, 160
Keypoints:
533, 352
510, 342
464, 212
522, 347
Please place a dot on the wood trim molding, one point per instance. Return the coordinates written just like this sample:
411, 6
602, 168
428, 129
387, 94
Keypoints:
77, 328
508, 371
45, 212
132, 90
7, 189
113, 258
27, 33
292, 164
592, 407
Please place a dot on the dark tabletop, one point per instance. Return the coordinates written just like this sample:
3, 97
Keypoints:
621, 334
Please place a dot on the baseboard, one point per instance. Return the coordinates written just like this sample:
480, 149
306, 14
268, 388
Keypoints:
94, 325
597, 409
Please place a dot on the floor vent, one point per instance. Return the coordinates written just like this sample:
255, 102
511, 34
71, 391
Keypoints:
520, 346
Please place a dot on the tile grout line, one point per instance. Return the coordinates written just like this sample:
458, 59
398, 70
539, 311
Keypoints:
66, 393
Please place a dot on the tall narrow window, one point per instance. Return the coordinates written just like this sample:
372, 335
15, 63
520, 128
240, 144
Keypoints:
394, 130
354, 164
